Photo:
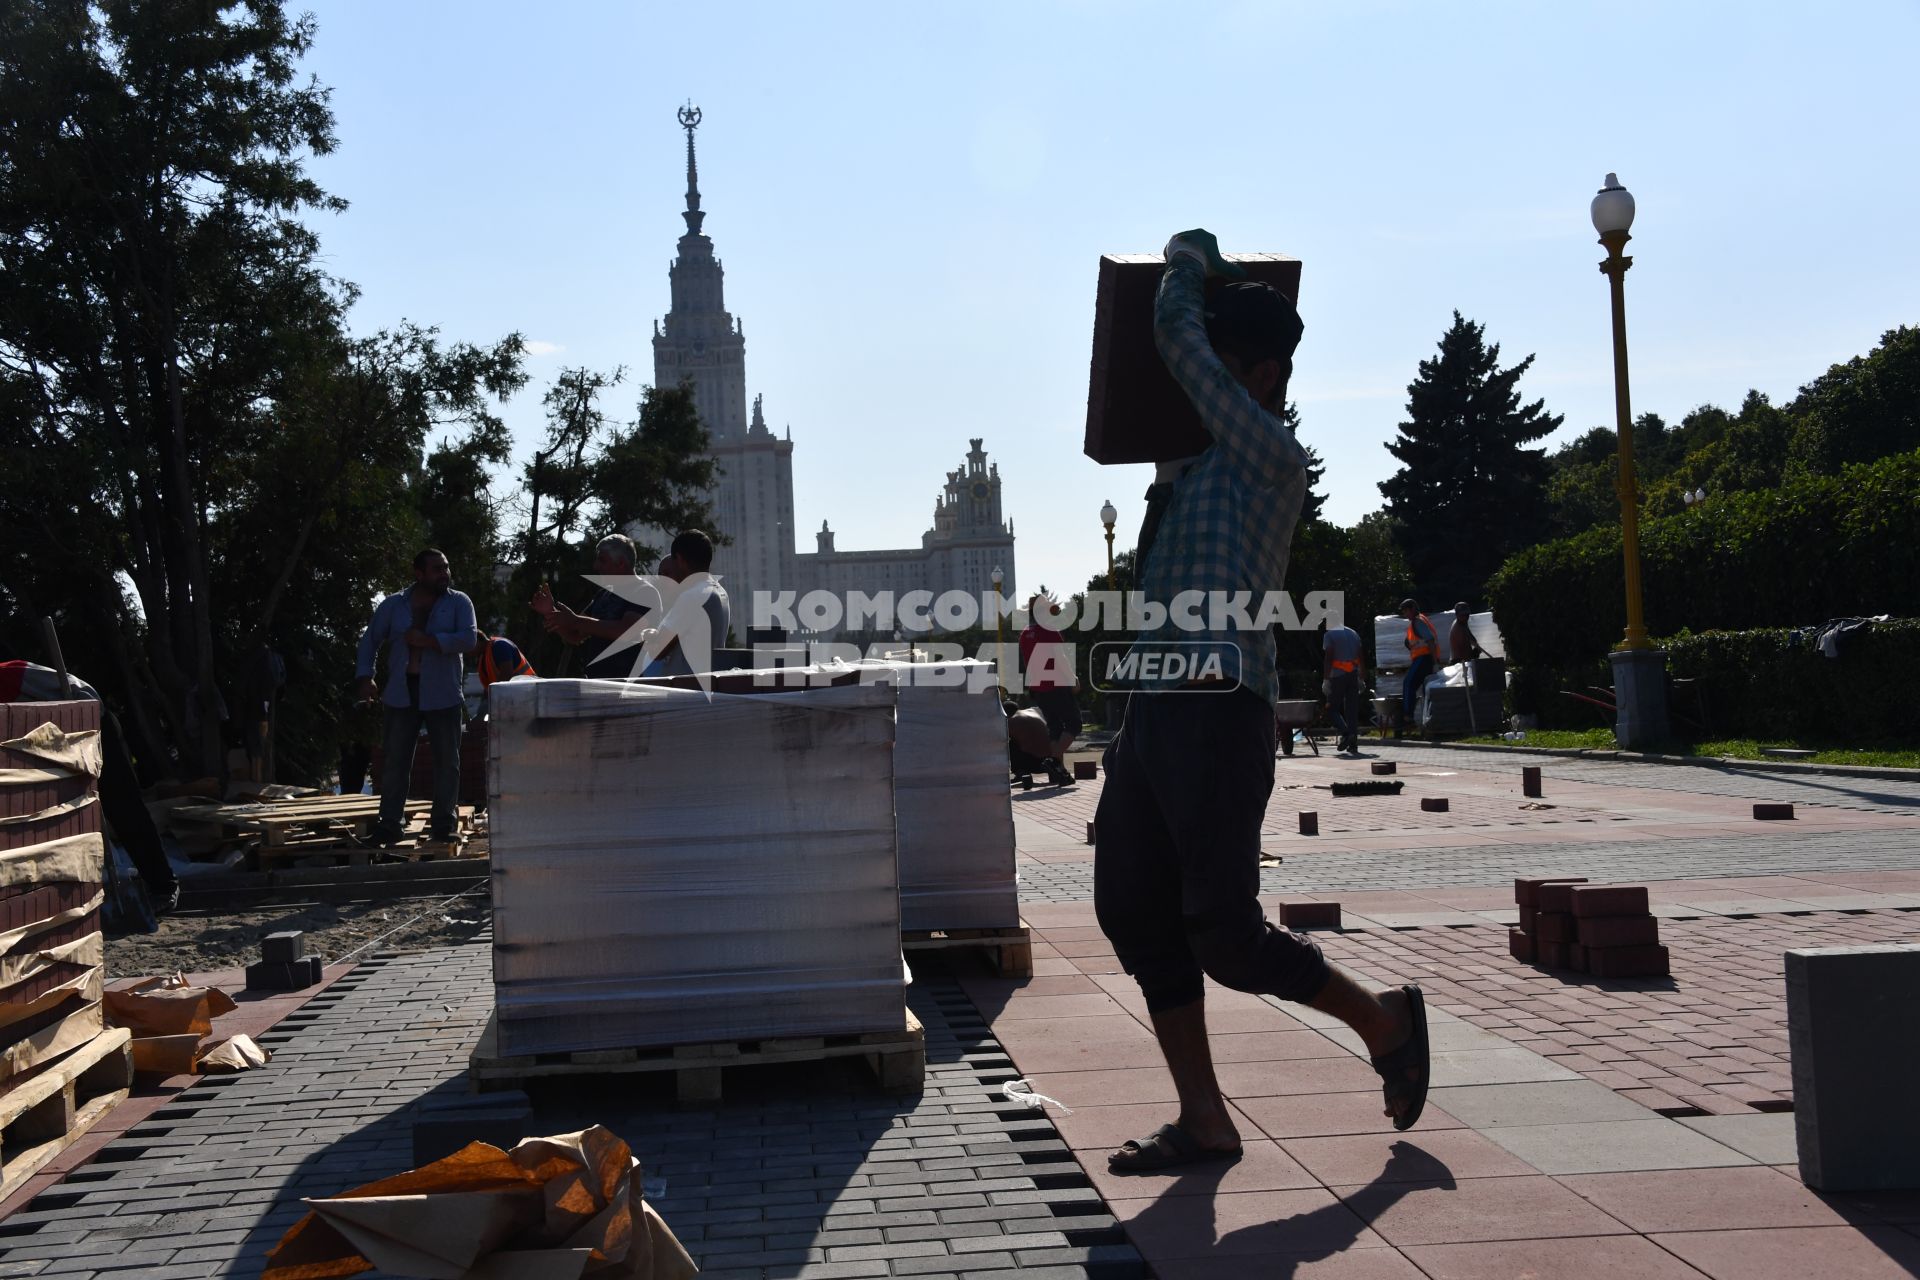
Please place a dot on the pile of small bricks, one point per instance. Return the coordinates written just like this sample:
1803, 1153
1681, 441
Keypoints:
1604, 930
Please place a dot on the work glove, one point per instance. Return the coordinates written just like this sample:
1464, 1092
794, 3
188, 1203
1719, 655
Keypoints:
1201, 244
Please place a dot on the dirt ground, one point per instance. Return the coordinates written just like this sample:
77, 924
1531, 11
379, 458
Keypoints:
201, 941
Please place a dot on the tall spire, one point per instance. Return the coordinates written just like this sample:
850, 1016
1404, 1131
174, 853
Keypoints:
690, 120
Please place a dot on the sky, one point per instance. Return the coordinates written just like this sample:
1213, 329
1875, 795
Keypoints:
911, 202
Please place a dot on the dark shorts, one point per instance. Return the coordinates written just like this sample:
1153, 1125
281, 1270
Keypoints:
1061, 710
1177, 851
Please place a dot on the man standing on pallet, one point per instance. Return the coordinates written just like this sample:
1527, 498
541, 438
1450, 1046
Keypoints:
425, 631
1177, 847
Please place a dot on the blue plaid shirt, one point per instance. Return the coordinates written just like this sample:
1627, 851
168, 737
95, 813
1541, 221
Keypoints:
1229, 522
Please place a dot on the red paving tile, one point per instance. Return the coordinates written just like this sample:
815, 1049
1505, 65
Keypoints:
1274, 1047
1705, 1199
1583, 1258
1331, 1114
1262, 1166
1415, 1156
1345, 1074
1097, 1130
1243, 1224
1106, 1088
1476, 1209
1798, 1253
1351, 1264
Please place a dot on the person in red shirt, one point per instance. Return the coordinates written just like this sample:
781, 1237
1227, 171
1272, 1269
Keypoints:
1047, 666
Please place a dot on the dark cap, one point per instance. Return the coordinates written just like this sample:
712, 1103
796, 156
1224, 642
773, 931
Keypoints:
1253, 321
1410, 603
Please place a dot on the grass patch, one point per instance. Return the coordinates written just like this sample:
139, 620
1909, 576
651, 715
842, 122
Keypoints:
1556, 739
1749, 749
1728, 748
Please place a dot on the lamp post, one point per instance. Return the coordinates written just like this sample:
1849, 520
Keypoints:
1640, 693
999, 654
1107, 517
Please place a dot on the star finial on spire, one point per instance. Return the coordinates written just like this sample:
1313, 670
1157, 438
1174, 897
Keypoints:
690, 120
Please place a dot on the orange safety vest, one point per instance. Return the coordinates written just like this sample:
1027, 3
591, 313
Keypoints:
1417, 647
489, 671
1345, 664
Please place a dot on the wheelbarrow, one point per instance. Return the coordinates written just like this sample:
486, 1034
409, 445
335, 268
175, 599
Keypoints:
1288, 716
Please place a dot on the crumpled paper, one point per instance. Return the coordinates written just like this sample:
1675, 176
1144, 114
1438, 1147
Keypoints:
167, 1007
235, 1053
551, 1209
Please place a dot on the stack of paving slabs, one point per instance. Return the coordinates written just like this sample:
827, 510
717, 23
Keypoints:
170, 1019
673, 867
52, 877
1604, 930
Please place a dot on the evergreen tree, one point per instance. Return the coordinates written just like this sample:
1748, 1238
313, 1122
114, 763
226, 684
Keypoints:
1469, 492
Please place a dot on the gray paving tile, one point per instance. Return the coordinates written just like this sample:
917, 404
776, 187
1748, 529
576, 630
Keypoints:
1768, 1137
1615, 1146
1494, 1106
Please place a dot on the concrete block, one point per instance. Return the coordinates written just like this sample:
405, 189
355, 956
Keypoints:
1526, 893
1310, 915
445, 1124
283, 948
1616, 931
1530, 781
1773, 812
1529, 918
1556, 895
1520, 944
1552, 954
1381, 768
1628, 962
1610, 900
1576, 957
268, 976
1086, 770
1433, 804
1553, 926
1309, 824
1853, 1031
1089, 833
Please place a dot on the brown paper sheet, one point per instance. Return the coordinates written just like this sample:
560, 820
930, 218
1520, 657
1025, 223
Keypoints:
237, 1053
167, 1007
167, 1055
552, 1208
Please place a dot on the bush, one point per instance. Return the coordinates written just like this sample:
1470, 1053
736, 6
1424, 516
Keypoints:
1819, 548
1775, 684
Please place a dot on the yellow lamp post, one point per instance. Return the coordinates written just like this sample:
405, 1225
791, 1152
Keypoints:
1639, 670
999, 651
1107, 517
1612, 212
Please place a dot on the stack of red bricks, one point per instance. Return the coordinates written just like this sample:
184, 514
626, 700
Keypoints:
1604, 930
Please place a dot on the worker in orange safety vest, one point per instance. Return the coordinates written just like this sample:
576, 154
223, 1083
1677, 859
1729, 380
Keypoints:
499, 658
1423, 646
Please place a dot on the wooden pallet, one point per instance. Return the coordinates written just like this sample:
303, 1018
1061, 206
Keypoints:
898, 1059
45, 1114
1011, 950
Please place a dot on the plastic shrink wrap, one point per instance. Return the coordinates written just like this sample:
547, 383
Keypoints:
673, 867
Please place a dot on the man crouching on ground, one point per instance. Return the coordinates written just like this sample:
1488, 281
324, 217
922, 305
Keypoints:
1177, 849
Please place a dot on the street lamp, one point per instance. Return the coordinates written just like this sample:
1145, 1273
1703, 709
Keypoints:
999, 654
1107, 517
1640, 692
1612, 214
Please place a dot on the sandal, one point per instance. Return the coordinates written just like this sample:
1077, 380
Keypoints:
1167, 1147
1416, 1054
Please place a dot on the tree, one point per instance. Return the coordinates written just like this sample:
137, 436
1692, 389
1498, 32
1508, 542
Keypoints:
1864, 409
1468, 493
210, 467
648, 479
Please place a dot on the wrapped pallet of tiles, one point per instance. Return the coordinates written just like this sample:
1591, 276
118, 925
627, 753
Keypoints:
951, 799
951, 802
673, 867
52, 876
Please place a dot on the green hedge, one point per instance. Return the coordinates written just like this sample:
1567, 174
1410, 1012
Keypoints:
1774, 684
1820, 548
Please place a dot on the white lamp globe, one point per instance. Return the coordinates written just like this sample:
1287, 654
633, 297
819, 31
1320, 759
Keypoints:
1612, 208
